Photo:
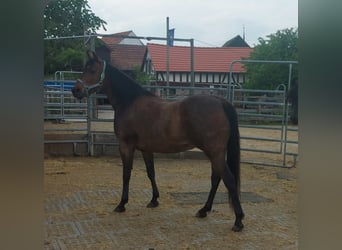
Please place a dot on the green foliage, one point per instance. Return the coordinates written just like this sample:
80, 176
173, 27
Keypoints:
63, 55
70, 17
141, 77
67, 18
281, 46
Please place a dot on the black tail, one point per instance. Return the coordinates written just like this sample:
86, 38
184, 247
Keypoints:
233, 145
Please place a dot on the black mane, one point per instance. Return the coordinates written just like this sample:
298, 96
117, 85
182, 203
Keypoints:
124, 89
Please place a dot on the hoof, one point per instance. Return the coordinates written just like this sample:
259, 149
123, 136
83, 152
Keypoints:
237, 228
152, 204
201, 214
120, 209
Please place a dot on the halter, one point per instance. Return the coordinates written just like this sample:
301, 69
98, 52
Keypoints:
88, 88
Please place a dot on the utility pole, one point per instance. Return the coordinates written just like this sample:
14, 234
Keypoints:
244, 33
167, 58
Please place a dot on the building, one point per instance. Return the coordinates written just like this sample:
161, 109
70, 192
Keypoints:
121, 51
236, 41
211, 65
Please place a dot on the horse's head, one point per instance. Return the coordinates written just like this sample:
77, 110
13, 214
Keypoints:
92, 77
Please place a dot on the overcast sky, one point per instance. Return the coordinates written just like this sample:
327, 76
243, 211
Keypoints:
210, 23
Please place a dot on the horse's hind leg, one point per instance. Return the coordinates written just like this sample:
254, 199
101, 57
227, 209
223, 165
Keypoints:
221, 168
215, 181
149, 162
230, 183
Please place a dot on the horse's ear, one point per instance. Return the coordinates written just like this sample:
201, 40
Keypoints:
92, 55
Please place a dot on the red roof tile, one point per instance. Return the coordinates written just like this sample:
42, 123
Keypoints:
125, 57
206, 59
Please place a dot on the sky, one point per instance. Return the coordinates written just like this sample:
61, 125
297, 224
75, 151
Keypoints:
209, 23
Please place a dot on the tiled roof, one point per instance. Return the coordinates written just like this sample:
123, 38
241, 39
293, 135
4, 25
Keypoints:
206, 59
125, 57
111, 40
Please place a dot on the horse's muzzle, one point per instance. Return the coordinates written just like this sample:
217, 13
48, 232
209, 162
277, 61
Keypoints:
78, 92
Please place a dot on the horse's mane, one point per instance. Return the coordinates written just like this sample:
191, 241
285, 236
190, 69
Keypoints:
125, 89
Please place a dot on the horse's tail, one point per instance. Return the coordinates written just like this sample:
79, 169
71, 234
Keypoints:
233, 145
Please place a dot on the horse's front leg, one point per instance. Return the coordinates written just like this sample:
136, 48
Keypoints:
149, 162
126, 153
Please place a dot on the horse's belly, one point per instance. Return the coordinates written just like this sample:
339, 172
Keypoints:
166, 147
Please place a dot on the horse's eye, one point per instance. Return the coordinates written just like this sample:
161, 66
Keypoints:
89, 69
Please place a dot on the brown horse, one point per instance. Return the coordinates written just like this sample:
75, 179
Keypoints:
152, 125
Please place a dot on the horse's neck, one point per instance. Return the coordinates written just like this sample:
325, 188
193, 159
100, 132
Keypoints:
120, 89
112, 100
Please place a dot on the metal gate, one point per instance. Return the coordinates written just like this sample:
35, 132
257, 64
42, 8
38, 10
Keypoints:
266, 110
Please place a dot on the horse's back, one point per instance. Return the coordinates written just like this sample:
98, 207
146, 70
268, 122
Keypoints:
155, 125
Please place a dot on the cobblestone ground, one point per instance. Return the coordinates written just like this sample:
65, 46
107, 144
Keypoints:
81, 192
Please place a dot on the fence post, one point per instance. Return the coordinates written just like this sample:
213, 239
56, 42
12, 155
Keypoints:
286, 114
89, 135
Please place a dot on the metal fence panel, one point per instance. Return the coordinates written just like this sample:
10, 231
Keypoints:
92, 118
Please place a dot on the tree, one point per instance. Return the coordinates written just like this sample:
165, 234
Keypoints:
141, 77
281, 46
67, 18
